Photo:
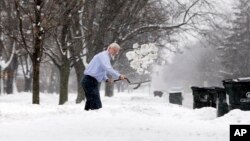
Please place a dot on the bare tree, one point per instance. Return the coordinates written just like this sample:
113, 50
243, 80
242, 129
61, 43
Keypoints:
8, 56
33, 22
122, 21
65, 52
235, 46
26, 65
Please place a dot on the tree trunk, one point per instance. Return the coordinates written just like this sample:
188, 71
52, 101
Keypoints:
1, 81
11, 69
27, 84
54, 81
1, 50
79, 68
9, 83
37, 54
36, 88
64, 80
75, 52
27, 72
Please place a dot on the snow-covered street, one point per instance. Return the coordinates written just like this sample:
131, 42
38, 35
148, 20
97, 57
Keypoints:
124, 117
178, 48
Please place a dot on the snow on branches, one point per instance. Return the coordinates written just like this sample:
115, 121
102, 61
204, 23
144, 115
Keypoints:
142, 57
4, 64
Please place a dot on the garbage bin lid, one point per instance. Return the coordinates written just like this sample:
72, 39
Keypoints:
175, 90
237, 80
207, 88
247, 79
158, 91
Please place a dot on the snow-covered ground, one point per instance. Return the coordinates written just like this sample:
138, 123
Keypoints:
124, 117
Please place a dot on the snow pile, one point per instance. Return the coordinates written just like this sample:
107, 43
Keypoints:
124, 117
142, 57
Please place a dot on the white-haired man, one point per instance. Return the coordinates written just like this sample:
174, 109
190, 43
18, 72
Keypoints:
96, 72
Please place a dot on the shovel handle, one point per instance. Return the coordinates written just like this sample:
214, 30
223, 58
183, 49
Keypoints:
120, 79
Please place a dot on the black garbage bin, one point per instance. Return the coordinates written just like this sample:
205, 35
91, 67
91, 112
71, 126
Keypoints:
222, 106
239, 93
158, 93
175, 96
203, 97
210, 97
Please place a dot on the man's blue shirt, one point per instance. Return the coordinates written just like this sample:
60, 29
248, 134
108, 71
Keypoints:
100, 66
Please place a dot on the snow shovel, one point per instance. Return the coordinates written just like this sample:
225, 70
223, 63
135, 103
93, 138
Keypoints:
138, 85
120, 79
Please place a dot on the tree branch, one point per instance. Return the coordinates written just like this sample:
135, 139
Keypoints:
21, 28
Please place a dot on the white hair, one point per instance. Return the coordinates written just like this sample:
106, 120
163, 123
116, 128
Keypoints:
114, 45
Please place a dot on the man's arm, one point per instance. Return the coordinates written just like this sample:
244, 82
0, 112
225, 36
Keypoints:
106, 65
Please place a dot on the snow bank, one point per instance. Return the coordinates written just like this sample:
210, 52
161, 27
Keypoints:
124, 117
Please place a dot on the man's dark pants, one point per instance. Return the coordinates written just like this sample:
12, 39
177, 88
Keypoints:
91, 88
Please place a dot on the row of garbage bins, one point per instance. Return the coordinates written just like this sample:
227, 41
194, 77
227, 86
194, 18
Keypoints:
238, 91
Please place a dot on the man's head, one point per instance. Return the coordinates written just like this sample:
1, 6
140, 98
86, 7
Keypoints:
113, 49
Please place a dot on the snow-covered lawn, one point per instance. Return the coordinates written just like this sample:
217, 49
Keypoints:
124, 117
